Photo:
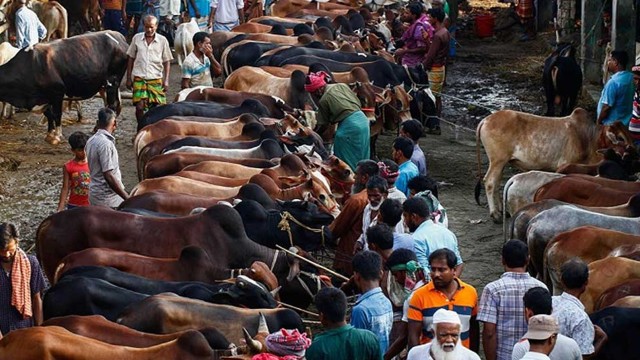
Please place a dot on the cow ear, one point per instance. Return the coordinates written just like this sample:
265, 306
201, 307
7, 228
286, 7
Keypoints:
293, 180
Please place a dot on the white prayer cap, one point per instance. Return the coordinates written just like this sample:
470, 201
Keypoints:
446, 316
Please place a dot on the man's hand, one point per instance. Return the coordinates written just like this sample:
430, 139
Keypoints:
198, 14
165, 86
129, 84
208, 50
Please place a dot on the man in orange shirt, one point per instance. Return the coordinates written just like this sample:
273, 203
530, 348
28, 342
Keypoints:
114, 15
445, 291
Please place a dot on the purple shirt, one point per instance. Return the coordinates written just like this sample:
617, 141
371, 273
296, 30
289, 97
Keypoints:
412, 38
10, 318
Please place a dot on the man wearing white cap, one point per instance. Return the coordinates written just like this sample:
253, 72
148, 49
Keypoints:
542, 335
446, 343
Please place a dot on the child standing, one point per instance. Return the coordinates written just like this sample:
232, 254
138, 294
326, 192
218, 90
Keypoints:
75, 175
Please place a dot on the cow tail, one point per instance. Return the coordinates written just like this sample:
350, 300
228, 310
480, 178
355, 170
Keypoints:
138, 141
63, 12
59, 271
478, 187
40, 233
505, 196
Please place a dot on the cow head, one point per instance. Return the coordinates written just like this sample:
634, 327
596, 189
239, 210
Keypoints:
260, 272
315, 191
396, 106
306, 224
248, 293
613, 135
341, 177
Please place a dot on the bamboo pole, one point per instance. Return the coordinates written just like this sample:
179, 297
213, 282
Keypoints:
340, 276
298, 309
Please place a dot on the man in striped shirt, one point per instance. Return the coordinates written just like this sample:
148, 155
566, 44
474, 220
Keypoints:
200, 64
501, 308
29, 29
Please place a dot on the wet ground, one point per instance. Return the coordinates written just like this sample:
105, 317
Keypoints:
486, 75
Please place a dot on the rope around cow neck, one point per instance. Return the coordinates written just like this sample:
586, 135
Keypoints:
284, 225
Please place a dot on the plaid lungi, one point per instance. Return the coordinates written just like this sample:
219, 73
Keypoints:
436, 79
150, 90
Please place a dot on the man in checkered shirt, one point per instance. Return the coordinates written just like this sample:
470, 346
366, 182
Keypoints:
501, 309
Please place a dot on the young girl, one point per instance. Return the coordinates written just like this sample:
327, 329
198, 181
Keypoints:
75, 175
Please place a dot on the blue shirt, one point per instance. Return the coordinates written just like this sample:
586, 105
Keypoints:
402, 241
618, 95
407, 171
29, 29
373, 312
430, 237
419, 159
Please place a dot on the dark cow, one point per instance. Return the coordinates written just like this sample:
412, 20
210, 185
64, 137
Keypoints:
42, 76
218, 230
280, 56
622, 326
99, 296
298, 223
244, 53
203, 109
562, 80
99, 328
163, 314
276, 106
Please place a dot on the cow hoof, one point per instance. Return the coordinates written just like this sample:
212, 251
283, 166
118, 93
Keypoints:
497, 218
50, 136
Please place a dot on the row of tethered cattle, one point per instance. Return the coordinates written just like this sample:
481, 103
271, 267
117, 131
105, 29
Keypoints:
187, 284
571, 212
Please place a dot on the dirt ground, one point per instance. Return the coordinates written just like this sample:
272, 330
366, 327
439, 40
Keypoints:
486, 75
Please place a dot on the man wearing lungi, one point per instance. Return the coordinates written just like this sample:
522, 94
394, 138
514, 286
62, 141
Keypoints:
148, 67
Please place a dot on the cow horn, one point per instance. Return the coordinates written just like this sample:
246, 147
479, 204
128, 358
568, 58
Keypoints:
262, 325
254, 345
275, 291
312, 151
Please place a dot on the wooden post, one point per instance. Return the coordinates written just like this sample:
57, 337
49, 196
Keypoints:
623, 29
592, 55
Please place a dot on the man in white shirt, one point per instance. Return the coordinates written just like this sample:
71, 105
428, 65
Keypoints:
446, 344
537, 301
542, 335
225, 14
376, 194
29, 29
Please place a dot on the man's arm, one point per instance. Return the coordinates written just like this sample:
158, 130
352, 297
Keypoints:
474, 334
195, 8
599, 340
36, 308
165, 80
215, 68
114, 184
184, 83
603, 113
490, 341
124, 11
433, 49
413, 333
212, 15
241, 16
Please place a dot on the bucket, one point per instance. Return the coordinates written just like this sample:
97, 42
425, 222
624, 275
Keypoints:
484, 25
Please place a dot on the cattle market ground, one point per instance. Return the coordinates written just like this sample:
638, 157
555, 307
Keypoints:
486, 73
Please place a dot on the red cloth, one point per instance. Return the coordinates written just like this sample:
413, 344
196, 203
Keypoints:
20, 284
79, 178
316, 81
267, 356
525, 9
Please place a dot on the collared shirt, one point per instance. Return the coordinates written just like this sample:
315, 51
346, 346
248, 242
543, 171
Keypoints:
102, 156
565, 349
407, 171
395, 194
227, 10
419, 159
535, 356
423, 352
373, 312
430, 237
198, 72
169, 7
427, 300
618, 94
574, 321
149, 58
10, 318
501, 304
345, 342
29, 29
337, 102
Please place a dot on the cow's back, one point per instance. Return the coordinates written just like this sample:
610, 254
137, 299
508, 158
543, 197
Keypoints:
533, 142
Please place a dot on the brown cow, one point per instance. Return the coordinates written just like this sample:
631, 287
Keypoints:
193, 264
255, 80
212, 179
167, 164
98, 328
628, 251
586, 242
53, 17
585, 192
628, 301
54, 342
532, 142
283, 8
614, 293
606, 273
181, 185
251, 27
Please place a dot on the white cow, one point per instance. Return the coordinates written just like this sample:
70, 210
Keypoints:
183, 41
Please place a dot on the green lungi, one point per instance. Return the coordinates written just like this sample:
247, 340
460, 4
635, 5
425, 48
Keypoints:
351, 142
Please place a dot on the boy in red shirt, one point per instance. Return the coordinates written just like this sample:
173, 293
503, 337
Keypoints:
75, 175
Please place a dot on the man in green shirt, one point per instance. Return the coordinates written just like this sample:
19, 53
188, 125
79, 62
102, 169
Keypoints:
339, 105
339, 340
